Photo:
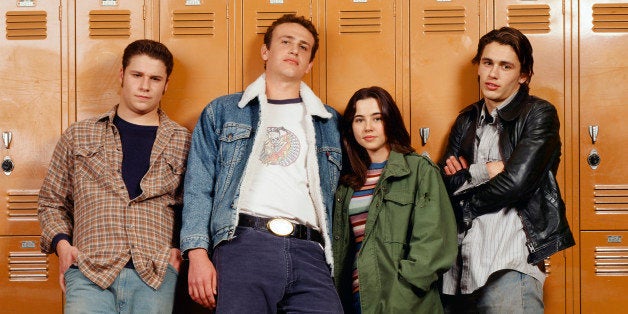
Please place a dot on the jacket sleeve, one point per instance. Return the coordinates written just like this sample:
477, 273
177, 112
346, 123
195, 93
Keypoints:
433, 237
199, 184
56, 203
531, 159
454, 148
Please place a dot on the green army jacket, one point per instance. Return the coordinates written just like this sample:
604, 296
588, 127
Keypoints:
410, 239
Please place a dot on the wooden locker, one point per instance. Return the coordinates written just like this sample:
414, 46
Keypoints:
31, 102
361, 49
103, 29
543, 23
29, 279
257, 16
604, 271
603, 78
443, 40
197, 34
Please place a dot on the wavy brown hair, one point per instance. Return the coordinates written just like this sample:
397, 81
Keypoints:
356, 157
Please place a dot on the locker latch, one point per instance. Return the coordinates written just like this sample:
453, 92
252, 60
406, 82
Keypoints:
593, 130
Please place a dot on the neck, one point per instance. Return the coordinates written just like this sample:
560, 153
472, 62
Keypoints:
149, 118
282, 89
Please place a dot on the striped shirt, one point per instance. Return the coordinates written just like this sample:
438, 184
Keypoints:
358, 212
85, 197
496, 241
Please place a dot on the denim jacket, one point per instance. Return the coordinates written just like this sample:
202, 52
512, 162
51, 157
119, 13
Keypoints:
221, 144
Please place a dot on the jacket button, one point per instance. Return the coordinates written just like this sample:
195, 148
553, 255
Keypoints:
336, 237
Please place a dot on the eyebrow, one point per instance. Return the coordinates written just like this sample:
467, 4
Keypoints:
294, 38
498, 62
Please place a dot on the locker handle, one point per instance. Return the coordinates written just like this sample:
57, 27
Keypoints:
425, 134
593, 130
6, 138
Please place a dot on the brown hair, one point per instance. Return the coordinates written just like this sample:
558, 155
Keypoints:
515, 39
292, 18
151, 48
396, 134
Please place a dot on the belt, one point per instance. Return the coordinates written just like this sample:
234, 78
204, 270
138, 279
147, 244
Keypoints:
276, 226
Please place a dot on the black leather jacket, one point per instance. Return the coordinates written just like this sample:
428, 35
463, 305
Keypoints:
529, 142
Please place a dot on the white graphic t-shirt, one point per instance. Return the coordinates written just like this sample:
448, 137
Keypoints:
276, 182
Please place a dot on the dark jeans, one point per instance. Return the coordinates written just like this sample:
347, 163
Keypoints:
259, 272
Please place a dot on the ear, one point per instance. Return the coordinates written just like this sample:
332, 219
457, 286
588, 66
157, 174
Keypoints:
264, 52
309, 67
523, 78
121, 76
166, 86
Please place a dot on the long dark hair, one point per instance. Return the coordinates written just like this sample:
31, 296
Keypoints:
356, 157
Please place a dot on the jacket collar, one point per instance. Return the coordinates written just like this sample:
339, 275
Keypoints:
514, 108
396, 166
313, 105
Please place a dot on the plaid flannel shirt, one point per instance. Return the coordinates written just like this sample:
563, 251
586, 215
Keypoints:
84, 196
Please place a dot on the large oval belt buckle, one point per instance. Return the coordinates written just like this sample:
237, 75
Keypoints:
280, 227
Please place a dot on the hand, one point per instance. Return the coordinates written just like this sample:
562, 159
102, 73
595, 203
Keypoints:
175, 258
67, 256
454, 164
494, 168
202, 279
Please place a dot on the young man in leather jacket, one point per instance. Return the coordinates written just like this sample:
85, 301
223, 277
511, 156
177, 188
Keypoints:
499, 168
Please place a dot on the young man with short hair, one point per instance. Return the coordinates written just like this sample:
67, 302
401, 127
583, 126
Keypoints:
110, 203
499, 168
262, 173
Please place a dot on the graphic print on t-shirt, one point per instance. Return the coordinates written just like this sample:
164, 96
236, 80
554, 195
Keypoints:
281, 147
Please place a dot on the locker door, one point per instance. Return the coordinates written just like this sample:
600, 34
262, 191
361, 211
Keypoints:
32, 110
361, 48
31, 107
543, 23
604, 271
29, 280
103, 29
603, 76
443, 40
257, 15
197, 35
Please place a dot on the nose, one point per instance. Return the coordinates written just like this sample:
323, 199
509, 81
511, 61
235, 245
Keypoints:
294, 49
494, 71
368, 125
145, 84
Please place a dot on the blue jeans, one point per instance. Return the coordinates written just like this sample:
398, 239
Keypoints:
259, 272
506, 291
127, 294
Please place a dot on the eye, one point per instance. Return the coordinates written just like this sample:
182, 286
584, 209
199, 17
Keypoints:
156, 79
304, 47
284, 41
137, 75
507, 67
358, 120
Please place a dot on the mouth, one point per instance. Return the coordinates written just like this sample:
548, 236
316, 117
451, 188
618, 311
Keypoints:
141, 97
491, 86
293, 61
369, 138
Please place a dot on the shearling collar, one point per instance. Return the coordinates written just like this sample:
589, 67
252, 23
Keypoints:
313, 105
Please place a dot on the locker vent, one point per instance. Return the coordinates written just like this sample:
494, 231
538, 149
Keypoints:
28, 266
444, 19
611, 261
352, 22
109, 23
26, 24
610, 17
263, 19
22, 205
611, 199
192, 22
530, 18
